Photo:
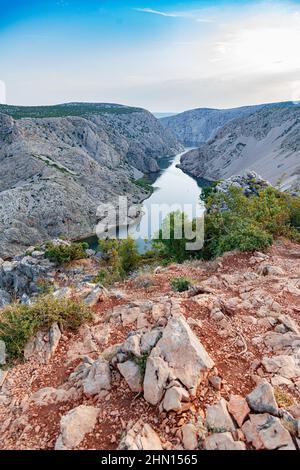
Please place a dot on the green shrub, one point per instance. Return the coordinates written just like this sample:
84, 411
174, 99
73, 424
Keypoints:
62, 254
180, 284
248, 223
19, 323
44, 286
144, 184
170, 241
120, 257
142, 362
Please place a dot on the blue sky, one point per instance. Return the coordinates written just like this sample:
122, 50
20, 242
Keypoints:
162, 55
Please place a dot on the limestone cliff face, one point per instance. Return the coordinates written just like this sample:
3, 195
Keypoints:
267, 141
55, 171
197, 126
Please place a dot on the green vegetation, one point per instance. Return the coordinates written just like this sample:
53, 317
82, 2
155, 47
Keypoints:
63, 110
45, 286
144, 184
233, 222
142, 362
170, 243
180, 284
120, 257
208, 190
62, 254
237, 222
19, 323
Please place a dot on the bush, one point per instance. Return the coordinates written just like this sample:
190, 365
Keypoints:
144, 280
172, 248
144, 184
237, 222
19, 323
180, 284
141, 362
65, 253
120, 257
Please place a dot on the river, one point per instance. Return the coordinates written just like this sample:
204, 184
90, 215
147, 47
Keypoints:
172, 190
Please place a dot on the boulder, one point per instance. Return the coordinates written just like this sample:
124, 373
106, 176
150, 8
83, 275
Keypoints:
129, 315
140, 437
278, 380
218, 419
216, 382
158, 311
132, 374
283, 365
223, 441
295, 410
174, 397
98, 379
184, 353
289, 324
150, 339
43, 346
189, 436
238, 408
132, 345
156, 377
2, 353
270, 270
3, 374
96, 294
265, 431
290, 423
262, 399
75, 425
5, 298
277, 341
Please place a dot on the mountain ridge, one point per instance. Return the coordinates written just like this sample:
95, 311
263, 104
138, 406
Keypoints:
57, 170
196, 126
266, 141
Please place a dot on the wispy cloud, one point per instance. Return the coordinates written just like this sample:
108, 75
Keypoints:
193, 15
162, 13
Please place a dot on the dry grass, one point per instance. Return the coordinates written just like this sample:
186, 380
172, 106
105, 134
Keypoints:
283, 398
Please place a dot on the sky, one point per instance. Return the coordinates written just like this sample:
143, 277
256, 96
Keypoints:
165, 56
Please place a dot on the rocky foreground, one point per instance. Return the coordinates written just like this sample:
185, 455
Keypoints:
216, 367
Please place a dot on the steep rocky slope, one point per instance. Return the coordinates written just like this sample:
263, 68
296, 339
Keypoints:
197, 126
56, 170
267, 141
216, 367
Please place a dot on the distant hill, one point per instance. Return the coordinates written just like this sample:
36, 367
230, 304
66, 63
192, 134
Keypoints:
266, 140
63, 110
197, 126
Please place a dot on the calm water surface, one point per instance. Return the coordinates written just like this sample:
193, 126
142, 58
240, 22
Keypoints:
173, 190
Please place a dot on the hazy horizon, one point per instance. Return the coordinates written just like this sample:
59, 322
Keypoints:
164, 56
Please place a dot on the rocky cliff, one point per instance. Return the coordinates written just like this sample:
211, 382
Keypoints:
197, 126
58, 163
267, 141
